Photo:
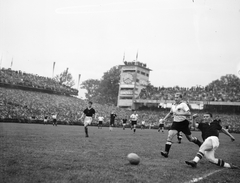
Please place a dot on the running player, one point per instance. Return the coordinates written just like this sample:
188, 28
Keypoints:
134, 118
124, 121
54, 117
180, 111
210, 134
112, 120
100, 121
143, 124
161, 125
88, 115
45, 120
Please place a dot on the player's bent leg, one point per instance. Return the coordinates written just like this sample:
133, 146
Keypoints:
134, 128
194, 140
86, 130
171, 134
179, 137
219, 162
86, 123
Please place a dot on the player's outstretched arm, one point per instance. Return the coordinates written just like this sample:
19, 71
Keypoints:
228, 134
167, 116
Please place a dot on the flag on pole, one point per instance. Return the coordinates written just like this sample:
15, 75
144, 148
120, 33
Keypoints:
137, 56
11, 63
79, 76
53, 69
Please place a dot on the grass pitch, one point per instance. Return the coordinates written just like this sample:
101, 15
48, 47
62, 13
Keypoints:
44, 153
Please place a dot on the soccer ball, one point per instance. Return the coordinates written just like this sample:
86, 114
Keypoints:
133, 159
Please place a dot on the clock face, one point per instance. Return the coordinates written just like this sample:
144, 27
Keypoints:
128, 78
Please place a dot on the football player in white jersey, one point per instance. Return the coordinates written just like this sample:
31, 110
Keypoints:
180, 112
100, 121
134, 118
161, 126
54, 117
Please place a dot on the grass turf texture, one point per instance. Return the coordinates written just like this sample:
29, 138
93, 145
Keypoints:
44, 153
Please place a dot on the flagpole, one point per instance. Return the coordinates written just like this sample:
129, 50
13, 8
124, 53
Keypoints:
53, 69
137, 56
79, 76
11, 63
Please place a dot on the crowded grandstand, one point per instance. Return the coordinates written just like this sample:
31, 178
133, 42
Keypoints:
27, 97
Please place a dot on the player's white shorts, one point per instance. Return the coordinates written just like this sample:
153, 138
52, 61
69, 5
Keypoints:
212, 140
45, 120
87, 120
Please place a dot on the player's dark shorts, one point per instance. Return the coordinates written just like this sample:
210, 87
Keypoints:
161, 125
100, 122
54, 121
134, 123
181, 127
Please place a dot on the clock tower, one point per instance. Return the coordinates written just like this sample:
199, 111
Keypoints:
134, 77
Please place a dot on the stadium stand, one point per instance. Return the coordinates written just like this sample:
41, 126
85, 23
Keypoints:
19, 79
226, 89
34, 101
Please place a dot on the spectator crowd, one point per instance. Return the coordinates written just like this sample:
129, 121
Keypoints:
27, 105
8, 76
226, 89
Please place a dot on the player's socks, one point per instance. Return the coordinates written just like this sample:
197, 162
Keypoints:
179, 137
198, 157
168, 146
167, 149
222, 163
86, 131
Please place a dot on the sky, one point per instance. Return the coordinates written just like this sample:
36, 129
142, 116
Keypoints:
185, 43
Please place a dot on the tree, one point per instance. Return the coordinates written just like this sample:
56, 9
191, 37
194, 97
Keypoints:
65, 78
228, 83
104, 91
109, 86
92, 86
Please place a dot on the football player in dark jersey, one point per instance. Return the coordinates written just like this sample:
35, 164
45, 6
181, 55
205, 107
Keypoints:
112, 120
124, 121
210, 134
88, 116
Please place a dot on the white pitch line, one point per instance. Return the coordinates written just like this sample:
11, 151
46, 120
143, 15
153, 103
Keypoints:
204, 176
